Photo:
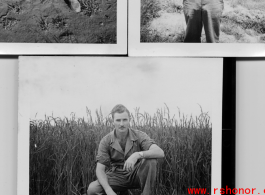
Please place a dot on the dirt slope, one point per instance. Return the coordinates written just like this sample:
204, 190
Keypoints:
53, 21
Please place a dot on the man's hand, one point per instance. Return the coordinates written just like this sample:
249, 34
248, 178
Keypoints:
130, 162
109, 191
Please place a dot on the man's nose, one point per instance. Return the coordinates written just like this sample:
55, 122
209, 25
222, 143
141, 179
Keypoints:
121, 123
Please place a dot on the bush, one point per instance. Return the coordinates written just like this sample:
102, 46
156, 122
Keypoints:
149, 10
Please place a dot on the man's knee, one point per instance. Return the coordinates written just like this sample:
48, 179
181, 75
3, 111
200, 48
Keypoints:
94, 188
90, 189
150, 162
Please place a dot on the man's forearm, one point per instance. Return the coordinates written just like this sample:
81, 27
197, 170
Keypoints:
153, 152
103, 180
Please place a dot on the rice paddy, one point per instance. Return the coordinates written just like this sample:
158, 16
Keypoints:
63, 151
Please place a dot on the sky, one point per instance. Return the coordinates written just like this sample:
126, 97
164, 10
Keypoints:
77, 83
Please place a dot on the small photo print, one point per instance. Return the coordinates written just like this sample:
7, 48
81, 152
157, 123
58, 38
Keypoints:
72, 123
202, 21
58, 21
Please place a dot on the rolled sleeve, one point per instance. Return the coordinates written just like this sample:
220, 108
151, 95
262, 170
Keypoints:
146, 142
103, 156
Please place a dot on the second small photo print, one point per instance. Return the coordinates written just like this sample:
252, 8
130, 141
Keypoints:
206, 28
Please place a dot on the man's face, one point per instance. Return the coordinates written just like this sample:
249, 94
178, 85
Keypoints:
121, 121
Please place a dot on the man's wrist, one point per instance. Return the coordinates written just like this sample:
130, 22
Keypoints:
141, 154
108, 189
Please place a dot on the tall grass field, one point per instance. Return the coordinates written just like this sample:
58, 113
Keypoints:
63, 151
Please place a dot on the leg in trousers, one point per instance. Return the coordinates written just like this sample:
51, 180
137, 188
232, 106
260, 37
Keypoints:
142, 176
146, 175
118, 179
95, 188
211, 16
193, 17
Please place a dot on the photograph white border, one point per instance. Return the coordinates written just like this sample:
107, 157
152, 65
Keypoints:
136, 48
24, 94
120, 48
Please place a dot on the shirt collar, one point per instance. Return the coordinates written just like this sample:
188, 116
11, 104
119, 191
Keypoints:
129, 143
132, 135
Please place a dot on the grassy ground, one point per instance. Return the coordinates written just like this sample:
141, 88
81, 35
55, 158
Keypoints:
243, 21
53, 21
63, 150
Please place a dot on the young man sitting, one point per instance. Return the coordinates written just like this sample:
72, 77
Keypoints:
130, 154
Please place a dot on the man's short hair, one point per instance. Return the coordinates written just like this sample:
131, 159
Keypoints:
119, 109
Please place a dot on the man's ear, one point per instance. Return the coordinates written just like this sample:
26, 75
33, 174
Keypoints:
110, 120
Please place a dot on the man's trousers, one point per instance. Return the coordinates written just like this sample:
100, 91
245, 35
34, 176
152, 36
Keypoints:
143, 176
199, 14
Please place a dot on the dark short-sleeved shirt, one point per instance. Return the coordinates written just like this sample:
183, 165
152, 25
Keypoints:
110, 152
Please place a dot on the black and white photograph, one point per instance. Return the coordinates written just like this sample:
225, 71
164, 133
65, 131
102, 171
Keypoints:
91, 125
203, 21
235, 28
59, 21
66, 24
